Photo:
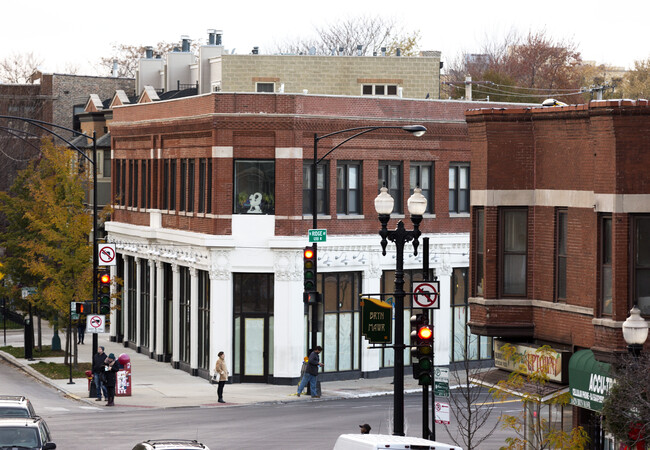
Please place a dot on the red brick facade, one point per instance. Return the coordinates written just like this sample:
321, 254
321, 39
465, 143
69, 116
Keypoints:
588, 160
255, 125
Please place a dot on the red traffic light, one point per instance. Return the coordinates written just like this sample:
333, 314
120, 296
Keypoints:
309, 253
425, 333
105, 278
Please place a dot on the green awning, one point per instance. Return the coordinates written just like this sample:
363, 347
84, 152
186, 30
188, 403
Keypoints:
589, 380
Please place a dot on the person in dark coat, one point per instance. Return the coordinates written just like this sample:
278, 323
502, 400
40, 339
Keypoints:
98, 373
111, 366
311, 372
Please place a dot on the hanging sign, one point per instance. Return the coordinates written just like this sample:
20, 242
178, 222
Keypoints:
376, 320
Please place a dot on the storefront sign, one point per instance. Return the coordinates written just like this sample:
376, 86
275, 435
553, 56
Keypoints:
549, 363
376, 320
589, 380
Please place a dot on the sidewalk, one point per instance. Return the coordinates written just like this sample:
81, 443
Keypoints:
158, 385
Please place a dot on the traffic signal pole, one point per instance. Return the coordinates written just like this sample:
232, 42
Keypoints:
95, 256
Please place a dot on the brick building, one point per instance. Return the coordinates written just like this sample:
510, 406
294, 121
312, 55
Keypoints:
211, 215
559, 242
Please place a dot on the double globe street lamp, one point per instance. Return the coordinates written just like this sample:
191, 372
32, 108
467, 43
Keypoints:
417, 205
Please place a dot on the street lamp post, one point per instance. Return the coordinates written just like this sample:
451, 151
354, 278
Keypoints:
415, 130
635, 331
44, 126
417, 205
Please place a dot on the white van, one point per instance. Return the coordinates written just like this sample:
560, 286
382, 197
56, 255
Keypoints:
383, 441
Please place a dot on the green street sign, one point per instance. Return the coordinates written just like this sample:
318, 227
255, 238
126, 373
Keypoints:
376, 320
441, 382
318, 235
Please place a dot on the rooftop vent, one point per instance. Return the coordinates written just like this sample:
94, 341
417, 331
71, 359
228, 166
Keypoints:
256, 50
185, 42
148, 52
341, 49
398, 52
359, 49
212, 36
383, 51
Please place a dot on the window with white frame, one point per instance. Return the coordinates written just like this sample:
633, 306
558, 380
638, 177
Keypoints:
422, 176
264, 87
348, 187
459, 187
379, 89
390, 175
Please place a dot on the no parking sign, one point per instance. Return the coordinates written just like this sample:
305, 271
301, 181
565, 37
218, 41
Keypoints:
95, 323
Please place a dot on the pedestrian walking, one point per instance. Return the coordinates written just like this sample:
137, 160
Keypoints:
311, 372
111, 366
221, 375
81, 329
365, 428
98, 373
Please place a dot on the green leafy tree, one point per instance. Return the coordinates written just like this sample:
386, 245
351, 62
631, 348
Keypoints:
531, 429
48, 245
626, 409
636, 82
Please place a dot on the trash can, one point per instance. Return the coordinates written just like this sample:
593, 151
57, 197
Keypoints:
123, 387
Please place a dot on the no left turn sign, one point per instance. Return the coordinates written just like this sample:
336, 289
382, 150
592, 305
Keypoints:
106, 254
95, 323
426, 294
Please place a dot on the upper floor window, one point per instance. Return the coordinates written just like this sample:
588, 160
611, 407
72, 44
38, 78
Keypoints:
422, 176
190, 185
264, 87
390, 175
606, 265
459, 187
348, 188
106, 163
560, 254
379, 89
144, 186
321, 188
254, 187
641, 262
513, 227
172, 184
479, 276
183, 184
205, 185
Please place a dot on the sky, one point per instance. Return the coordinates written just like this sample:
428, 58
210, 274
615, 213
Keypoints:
72, 33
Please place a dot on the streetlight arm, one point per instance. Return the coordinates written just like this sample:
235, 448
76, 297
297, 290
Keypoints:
367, 130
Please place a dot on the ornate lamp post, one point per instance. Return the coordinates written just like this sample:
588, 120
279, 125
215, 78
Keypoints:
635, 331
417, 205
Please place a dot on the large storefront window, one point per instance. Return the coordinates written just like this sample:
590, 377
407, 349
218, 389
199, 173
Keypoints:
340, 320
131, 301
254, 187
204, 320
464, 345
388, 290
145, 302
184, 313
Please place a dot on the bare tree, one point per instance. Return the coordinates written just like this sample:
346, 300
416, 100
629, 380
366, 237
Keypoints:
636, 82
19, 67
470, 409
524, 68
345, 36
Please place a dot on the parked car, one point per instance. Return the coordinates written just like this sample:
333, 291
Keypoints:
16, 406
170, 444
25, 433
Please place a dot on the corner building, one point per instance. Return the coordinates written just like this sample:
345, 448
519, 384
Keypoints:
560, 239
211, 213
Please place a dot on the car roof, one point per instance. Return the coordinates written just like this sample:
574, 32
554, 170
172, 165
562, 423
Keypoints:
19, 421
14, 398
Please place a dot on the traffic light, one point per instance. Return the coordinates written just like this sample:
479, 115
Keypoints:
421, 348
309, 266
104, 292
80, 308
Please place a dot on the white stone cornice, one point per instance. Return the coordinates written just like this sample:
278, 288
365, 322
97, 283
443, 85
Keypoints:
220, 265
287, 265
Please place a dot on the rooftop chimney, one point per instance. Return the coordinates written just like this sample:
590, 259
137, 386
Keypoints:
341, 50
211, 36
115, 68
185, 43
217, 37
383, 51
148, 52
398, 52
359, 49
256, 50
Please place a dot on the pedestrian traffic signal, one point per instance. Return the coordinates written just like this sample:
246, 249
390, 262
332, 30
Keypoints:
104, 292
421, 348
80, 308
309, 265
